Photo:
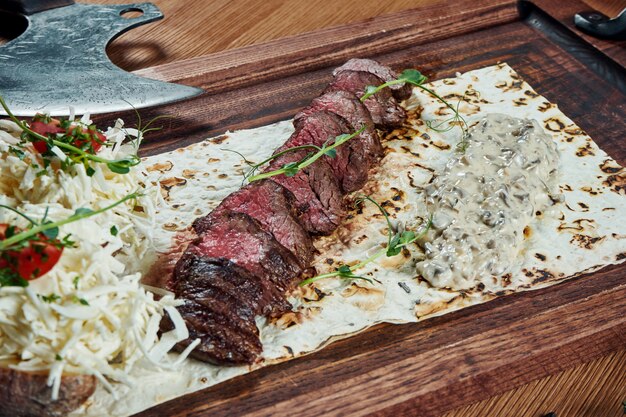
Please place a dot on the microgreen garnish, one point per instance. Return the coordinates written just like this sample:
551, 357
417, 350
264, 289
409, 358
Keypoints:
416, 78
75, 281
113, 230
255, 166
74, 154
396, 241
410, 76
456, 119
292, 168
51, 229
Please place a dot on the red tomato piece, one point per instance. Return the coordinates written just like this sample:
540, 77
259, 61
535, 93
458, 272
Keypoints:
34, 260
45, 129
37, 259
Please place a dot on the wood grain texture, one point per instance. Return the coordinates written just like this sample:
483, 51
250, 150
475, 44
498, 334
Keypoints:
477, 353
447, 362
595, 389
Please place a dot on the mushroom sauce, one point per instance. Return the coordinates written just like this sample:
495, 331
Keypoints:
484, 200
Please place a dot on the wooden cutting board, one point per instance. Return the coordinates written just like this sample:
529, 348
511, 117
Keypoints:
431, 367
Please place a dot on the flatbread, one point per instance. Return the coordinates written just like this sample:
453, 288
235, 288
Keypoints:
586, 232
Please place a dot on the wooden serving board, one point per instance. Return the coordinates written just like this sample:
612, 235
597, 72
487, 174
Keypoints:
442, 363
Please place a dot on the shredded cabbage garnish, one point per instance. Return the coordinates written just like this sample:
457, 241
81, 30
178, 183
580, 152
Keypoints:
89, 314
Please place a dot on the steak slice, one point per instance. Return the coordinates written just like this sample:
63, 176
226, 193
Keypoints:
384, 109
220, 343
323, 127
241, 239
272, 205
399, 91
221, 302
317, 192
347, 106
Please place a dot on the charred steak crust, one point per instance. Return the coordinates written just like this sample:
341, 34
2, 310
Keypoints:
399, 91
317, 192
383, 107
222, 300
273, 206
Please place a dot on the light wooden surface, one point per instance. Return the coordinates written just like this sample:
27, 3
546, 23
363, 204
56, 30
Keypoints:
193, 28
200, 27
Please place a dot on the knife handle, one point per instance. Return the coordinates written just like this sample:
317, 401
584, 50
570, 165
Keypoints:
28, 7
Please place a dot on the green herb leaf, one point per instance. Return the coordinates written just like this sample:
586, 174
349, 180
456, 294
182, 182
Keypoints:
292, 168
370, 90
17, 152
78, 300
51, 233
58, 357
36, 229
331, 153
82, 211
412, 76
10, 278
50, 298
117, 168
75, 281
113, 230
90, 171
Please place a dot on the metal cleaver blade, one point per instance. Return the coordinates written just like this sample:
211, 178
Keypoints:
60, 61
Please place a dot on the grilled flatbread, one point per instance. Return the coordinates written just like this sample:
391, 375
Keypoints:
580, 234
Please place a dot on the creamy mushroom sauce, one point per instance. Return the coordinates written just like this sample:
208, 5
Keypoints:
485, 198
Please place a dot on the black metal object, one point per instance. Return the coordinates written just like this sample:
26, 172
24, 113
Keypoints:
601, 26
576, 46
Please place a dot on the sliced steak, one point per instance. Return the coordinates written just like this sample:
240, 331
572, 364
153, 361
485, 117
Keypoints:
384, 109
323, 127
317, 193
400, 91
220, 343
273, 206
241, 239
221, 302
347, 106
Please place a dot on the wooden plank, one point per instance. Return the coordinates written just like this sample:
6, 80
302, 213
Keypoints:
594, 389
329, 47
463, 357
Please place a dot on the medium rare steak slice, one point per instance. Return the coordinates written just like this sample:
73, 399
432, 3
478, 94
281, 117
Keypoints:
384, 109
272, 205
241, 239
347, 106
322, 127
317, 192
400, 91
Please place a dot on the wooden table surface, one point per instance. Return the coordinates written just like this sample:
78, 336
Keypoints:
194, 27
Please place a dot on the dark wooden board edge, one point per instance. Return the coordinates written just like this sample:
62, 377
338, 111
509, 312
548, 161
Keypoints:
579, 320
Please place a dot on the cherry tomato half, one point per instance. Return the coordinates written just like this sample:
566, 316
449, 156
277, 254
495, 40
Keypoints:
32, 261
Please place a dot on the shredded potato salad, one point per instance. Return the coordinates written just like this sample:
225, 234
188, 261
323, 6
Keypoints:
89, 314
